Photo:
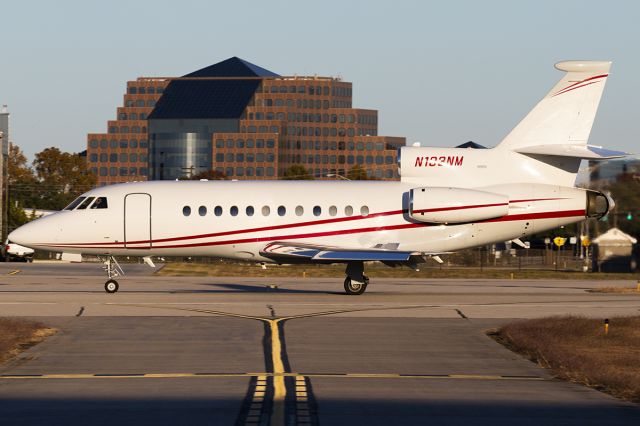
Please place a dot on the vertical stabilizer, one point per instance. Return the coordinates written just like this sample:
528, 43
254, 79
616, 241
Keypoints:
565, 116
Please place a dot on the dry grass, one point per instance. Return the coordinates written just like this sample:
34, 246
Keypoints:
619, 290
374, 270
17, 335
577, 349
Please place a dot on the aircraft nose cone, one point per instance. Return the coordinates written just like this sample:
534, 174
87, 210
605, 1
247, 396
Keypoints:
20, 236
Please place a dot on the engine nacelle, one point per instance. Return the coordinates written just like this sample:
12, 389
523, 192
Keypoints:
455, 205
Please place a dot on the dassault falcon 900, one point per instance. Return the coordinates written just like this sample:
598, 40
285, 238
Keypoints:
447, 199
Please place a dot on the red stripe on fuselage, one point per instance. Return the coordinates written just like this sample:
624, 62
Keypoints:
272, 227
510, 218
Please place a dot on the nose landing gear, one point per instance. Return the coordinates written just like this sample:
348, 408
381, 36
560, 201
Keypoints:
113, 269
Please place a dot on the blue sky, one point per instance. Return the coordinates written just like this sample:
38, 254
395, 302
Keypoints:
439, 72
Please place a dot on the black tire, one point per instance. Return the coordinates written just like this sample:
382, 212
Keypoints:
355, 289
111, 286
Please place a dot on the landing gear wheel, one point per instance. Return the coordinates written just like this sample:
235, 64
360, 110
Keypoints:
355, 288
111, 286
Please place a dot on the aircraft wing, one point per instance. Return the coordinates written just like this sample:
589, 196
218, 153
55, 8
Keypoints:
291, 252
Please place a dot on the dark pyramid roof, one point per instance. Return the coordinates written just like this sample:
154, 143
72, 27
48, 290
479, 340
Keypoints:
232, 67
471, 144
204, 99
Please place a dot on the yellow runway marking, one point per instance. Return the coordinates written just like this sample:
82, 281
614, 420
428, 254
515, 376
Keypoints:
262, 384
16, 271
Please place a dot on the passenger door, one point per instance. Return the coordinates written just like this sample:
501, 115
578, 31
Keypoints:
137, 221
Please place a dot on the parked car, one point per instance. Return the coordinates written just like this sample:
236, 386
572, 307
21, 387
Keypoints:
16, 252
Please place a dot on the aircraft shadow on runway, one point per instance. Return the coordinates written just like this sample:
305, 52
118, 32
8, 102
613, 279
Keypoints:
244, 288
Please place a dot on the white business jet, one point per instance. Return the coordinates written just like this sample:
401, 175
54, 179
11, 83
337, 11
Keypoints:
447, 199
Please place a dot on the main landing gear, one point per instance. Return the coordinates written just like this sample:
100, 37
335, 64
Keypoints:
113, 269
356, 282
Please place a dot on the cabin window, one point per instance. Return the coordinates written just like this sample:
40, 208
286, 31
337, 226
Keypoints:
86, 203
233, 210
364, 211
317, 211
348, 210
299, 211
186, 210
75, 203
217, 211
282, 210
333, 210
202, 211
249, 211
100, 203
266, 211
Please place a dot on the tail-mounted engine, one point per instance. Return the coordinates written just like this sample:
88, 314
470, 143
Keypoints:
455, 205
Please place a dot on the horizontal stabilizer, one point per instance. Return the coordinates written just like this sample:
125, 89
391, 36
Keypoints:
292, 252
588, 152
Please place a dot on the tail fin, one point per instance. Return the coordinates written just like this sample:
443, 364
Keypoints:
565, 116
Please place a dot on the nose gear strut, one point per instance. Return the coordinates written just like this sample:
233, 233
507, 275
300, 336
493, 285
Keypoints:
113, 269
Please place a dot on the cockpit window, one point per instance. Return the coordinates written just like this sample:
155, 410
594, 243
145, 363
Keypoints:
75, 203
86, 203
100, 203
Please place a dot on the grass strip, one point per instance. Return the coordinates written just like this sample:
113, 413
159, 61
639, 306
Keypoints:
18, 335
373, 270
578, 349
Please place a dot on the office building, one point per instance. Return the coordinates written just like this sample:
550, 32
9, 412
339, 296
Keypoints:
240, 121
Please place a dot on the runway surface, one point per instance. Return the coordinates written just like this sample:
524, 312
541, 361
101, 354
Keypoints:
237, 351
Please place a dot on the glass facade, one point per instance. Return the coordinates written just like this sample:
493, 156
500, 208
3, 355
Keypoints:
179, 155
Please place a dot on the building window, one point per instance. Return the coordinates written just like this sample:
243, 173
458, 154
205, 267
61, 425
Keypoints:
133, 90
186, 211
143, 171
103, 171
259, 171
124, 171
270, 171
239, 157
93, 158
133, 143
113, 129
239, 171
104, 157
124, 157
144, 144
220, 157
133, 158
93, 143
202, 211
113, 158
133, 171
113, 171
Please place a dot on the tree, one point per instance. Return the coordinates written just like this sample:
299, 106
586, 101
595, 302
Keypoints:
209, 175
22, 184
626, 193
297, 172
61, 177
357, 173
